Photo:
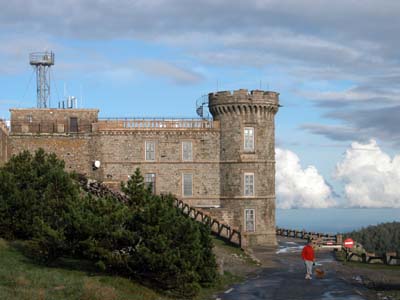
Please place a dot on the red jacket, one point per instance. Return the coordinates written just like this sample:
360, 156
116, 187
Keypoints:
307, 253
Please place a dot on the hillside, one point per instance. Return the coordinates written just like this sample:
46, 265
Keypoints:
379, 238
20, 278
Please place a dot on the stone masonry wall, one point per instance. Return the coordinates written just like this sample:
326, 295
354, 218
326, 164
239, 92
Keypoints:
3, 143
75, 149
52, 120
120, 153
236, 111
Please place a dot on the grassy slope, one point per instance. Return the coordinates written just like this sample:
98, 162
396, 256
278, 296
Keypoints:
20, 278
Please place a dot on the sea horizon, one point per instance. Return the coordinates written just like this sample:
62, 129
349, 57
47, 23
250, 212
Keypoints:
334, 220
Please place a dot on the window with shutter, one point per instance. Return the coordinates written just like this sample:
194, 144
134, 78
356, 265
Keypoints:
250, 220
150, 180
249, 139
187, 185
150, 150
187, 154
249, 184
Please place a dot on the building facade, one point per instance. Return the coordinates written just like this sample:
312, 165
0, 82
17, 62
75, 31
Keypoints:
225, 165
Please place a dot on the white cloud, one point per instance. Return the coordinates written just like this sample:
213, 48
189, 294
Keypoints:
371, 177
297, 187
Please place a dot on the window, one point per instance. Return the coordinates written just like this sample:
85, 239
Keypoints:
187, 185
250, 220
29, 118
150, 150
249, 184
73, 124
248, 139
187, 154
150, 180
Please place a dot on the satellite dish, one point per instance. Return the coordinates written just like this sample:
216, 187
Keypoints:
96, 164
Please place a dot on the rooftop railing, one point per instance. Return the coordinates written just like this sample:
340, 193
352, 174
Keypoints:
42, 58
156, 124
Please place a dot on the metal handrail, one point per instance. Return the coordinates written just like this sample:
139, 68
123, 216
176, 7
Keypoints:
41, 58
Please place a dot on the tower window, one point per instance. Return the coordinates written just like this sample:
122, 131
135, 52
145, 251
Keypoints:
150, 150
249, 184
187, 153
187, 185
150, 180
248, 139
250, 220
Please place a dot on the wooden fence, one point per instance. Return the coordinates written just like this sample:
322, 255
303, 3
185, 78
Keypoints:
389, 258
218, 228
317, 237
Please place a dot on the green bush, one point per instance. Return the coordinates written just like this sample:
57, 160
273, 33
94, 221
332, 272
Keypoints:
380, 238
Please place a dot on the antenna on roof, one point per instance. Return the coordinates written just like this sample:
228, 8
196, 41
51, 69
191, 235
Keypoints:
42, 61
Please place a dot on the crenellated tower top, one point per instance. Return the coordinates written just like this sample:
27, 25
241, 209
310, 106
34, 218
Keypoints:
243, 102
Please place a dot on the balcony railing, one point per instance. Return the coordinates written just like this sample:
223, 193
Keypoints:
155, 124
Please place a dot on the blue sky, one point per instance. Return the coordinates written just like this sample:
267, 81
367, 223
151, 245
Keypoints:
335, 64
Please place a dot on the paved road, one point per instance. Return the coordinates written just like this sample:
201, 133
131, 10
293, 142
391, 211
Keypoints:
286, 280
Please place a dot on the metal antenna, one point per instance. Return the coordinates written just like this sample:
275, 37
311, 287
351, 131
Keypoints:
42, 61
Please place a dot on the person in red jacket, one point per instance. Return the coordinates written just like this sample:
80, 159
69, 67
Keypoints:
308, 256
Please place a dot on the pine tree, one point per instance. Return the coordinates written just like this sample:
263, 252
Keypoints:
35, 187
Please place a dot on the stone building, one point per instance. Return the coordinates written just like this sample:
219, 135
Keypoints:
3, 142
225, 165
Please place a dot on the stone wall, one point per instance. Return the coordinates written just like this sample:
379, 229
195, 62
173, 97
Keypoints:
75, 150
3, 142
52, 120
236, 111
121, 152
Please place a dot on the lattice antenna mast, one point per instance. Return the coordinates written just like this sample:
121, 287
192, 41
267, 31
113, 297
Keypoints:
42, 61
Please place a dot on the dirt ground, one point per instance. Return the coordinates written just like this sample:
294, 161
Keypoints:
385, 281
235, 261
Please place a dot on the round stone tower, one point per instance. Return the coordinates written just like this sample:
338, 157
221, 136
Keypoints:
247, 160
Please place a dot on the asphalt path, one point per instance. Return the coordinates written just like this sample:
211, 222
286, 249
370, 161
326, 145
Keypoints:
286, 279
